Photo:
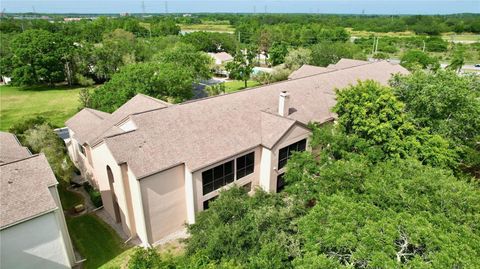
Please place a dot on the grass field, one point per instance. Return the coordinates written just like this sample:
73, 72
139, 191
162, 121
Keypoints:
208, 27
236, 85
95, 240
18, 103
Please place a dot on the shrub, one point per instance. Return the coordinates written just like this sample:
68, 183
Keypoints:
144, 259
215, 89
95, 195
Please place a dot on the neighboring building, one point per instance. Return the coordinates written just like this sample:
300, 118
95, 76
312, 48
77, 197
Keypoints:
33, 232
157, 165
221, 57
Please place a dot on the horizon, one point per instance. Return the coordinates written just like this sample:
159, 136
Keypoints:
152, 7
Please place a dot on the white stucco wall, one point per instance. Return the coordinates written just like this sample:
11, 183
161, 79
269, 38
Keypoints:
36, 243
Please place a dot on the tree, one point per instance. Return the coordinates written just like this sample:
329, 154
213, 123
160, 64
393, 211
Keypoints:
116, 50
164, 28
277, 53
372, 113
415, 59
186, 56
458, 60
327, 53
241, 68
298, 57
38, 56
164, 81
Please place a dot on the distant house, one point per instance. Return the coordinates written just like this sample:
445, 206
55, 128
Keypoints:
221, 57
33, 231
158, 164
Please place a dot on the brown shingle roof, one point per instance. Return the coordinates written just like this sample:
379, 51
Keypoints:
10, 148
24, 189
347, 63
90, 130
222, 56
203, 132
307, 70
85, 122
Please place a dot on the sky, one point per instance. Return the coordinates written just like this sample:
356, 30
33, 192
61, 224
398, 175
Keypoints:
244, 6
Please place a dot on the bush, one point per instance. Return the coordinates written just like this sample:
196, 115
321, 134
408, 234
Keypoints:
83, 81
144, 259
95, 195
215, 89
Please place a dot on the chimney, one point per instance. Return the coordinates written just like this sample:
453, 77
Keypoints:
284, 103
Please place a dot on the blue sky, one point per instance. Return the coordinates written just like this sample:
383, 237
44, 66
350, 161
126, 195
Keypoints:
245, 6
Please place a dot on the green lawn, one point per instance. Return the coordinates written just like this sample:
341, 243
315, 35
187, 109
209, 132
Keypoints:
18, 103
69, 199
95, 240
236, 85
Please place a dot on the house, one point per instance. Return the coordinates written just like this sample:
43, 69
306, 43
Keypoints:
157, 164
33, 231
221, 57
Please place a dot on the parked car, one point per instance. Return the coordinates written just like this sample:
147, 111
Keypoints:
477, 65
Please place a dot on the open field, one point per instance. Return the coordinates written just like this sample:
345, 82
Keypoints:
95, 240
207, 27
18, 103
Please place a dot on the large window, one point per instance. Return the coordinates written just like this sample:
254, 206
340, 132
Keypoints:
217, 177
280, 182
245, 165
286, 152
223, 174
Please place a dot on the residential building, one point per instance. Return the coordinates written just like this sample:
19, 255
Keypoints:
33, 231
157, 164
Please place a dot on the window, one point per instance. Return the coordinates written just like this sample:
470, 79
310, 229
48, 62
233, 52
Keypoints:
207, 202
286, 152
245, 165
81, 148
217, 177
280, 183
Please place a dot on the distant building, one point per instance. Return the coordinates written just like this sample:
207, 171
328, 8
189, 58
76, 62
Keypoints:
221, 57
71, 19
158, 164
33, 230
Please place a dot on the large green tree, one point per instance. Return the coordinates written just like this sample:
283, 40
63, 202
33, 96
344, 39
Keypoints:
241, 68
164, 81
39, 56
187, 56
326, 53
416, 59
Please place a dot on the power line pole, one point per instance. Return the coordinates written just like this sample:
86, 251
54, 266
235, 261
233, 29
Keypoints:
376, 46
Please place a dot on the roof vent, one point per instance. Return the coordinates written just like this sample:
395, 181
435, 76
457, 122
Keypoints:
284, 104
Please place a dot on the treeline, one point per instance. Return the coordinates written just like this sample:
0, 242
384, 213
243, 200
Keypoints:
420, 24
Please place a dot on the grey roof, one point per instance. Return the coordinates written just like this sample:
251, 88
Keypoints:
10, 148
91, 130
24, 192
347, 63
206, 131
308, 70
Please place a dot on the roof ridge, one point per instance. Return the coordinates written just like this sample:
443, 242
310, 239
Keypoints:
91, 110
23, 159
155, 99
274, 83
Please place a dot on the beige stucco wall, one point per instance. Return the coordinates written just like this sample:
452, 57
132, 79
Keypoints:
102, 157
37, 243
295, 134
253, 178
163, 198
